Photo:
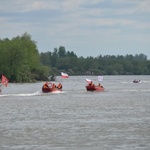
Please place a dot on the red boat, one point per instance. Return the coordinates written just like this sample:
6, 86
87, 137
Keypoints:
94, 87
51, 87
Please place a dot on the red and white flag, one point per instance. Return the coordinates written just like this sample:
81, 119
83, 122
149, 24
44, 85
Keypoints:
64, 75
4, 80
88, 81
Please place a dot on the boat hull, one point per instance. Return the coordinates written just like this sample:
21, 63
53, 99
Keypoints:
49, 87
48, 90
94, 88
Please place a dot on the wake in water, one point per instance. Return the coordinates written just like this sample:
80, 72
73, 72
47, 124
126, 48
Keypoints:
58, 92
38, 93
22, 94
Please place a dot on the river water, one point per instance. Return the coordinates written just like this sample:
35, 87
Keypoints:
74, 119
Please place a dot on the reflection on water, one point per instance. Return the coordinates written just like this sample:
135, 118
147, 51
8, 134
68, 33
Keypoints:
117, 118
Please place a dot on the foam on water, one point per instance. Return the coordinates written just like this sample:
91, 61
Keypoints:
22, 94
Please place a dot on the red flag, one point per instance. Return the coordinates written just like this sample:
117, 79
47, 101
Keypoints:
88, 81
4, 80
64, 75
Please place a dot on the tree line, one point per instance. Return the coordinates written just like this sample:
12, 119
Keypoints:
21, 61
62, 60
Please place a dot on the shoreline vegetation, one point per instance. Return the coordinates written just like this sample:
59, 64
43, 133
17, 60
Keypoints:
20, 61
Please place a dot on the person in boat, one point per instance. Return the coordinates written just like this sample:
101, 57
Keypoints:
45, 85
54, 85
59, 86
91, 83
100, 85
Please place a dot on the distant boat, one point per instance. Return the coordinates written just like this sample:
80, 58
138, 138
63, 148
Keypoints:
136, 81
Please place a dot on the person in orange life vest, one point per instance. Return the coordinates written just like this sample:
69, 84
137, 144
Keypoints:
54, 85
59, 86
45, 85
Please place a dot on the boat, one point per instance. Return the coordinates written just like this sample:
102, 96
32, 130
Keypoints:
93, 87
51, 87
136, 81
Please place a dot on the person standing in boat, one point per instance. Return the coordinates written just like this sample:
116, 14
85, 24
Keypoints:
91, 83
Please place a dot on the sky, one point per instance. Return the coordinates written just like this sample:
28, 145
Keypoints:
86, 27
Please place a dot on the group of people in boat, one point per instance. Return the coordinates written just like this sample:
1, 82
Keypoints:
52, 85
92, 84
93, 87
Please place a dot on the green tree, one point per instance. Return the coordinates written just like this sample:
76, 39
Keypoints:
20, 60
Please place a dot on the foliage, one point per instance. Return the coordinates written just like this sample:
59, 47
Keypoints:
107, 65
20, 60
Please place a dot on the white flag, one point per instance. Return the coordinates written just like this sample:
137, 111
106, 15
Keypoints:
100, 78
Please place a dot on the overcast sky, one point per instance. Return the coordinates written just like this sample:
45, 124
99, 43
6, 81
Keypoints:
86, 27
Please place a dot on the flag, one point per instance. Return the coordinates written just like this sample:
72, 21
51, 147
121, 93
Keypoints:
4, 80
100, 78
88, 81
64, 75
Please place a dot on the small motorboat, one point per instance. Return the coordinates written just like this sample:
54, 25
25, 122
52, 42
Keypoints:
51, 87
94, 87
136, 81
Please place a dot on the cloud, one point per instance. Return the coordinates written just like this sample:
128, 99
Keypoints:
78, 23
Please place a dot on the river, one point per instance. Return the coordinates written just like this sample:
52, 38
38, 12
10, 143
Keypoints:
74, 119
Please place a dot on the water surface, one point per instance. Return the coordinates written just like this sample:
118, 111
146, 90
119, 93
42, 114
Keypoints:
118, 118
